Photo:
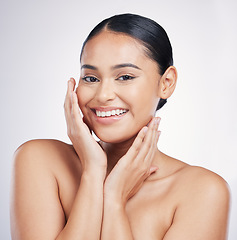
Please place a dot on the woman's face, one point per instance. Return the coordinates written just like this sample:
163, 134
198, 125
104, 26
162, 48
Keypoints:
118, 87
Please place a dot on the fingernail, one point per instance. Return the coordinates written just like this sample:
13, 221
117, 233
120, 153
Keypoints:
145, 129
153, 169
156, 121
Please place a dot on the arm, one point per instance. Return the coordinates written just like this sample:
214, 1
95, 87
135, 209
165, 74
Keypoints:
86, 215
124, 182
115, 222
36, 210
34, 195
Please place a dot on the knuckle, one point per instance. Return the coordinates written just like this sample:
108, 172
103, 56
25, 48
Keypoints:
142, 169
136, 147
147, 173
136, 167
147, 146
150, 144
73, 113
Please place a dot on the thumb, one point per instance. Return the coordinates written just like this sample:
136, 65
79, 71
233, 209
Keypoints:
86, 122
153, 169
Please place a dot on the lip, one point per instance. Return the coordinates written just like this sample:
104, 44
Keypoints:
107, 108
108, 120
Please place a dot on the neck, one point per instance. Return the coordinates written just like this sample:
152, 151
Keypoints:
115, 151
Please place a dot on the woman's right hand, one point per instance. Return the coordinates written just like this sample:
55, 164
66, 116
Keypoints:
92, 156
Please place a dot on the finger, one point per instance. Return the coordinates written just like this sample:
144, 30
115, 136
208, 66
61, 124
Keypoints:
71, 87
151, 153
67, 103
157, 138
155, 135
153, 169
146, 143
75, 110
87, 123
149, 122
67, 106
158, 135
134, 149
155, 131
73, 82
151, 128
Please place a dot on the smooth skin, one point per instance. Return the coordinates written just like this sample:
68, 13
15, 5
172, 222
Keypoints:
122, 187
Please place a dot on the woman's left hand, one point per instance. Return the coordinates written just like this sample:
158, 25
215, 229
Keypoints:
134, 167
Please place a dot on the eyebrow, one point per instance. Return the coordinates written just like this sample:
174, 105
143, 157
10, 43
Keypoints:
89, 67
123, 65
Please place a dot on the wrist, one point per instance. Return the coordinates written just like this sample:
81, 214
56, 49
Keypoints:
113, 206
93, 171
92, 177
113, 201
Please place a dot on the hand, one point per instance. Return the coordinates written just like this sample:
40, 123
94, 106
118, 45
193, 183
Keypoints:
134, 167
91, 155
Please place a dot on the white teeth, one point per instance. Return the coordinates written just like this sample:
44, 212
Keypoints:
110, 113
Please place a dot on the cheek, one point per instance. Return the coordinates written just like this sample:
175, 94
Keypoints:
143, 101
83, 97
80, 96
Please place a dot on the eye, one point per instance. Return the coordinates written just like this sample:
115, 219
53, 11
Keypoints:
125, 78
90, 79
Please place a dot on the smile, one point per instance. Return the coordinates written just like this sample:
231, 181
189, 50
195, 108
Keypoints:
114, 112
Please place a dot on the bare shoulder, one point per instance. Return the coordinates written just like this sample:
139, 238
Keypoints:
39, 146
196, 178
40, 167
48, 160
45, 152
201, 205
189, 181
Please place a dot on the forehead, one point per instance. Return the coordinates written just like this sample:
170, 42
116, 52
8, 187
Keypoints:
114, 48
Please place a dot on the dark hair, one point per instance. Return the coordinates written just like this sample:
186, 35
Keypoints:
147, 31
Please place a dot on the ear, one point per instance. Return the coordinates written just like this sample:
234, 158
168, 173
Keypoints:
167, 83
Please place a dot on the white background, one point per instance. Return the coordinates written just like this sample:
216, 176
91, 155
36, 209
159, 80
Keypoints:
40, 45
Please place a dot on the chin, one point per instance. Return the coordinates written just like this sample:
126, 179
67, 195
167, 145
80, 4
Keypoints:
120, 131
114, 138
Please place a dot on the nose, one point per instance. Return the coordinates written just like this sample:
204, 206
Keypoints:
105, 91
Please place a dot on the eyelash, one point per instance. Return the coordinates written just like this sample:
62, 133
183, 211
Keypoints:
125, 77
90, 81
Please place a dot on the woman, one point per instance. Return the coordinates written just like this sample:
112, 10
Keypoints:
121, 187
